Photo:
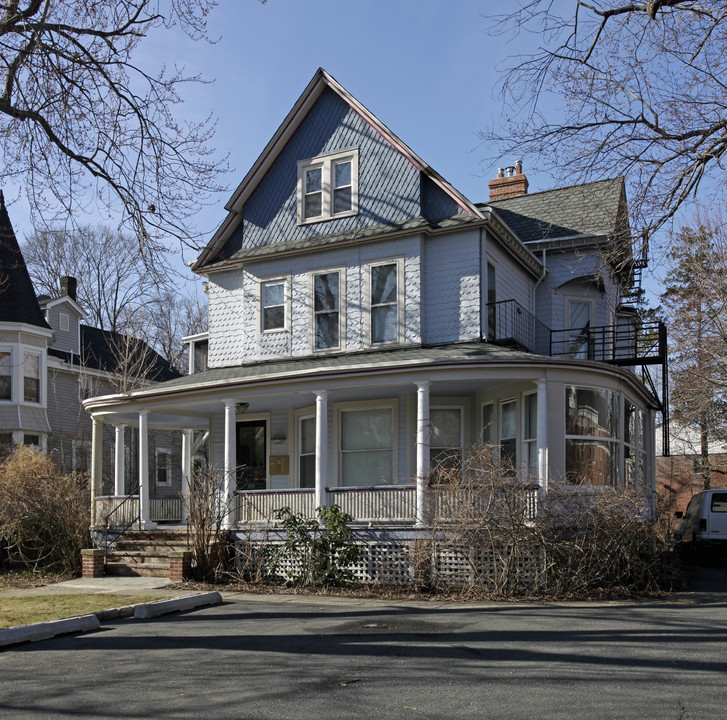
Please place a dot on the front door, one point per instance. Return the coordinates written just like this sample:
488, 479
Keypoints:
252, 455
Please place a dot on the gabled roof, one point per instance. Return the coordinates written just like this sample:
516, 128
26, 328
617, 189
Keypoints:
101, 350
321, 80
18, 303
595, 209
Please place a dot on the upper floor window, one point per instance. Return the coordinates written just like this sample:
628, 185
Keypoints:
326, 310
384, 303
31, 378
6, 375
272, 310
328, 187
64, 321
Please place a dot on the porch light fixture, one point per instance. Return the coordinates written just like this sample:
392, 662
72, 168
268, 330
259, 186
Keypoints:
241, 408
278, 439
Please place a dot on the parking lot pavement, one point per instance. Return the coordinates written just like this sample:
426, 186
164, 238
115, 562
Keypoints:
282, 657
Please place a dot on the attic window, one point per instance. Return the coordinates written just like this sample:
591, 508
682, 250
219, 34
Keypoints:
328, 187
64, 321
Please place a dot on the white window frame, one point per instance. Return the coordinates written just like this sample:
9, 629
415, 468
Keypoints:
368, 325
391, 404
341, 271
529, 443
64, 321
13, 391
500, 416
327, 163
488, 433
31, 352
433, 407
586, 300
167, 466
306, 413
285, 281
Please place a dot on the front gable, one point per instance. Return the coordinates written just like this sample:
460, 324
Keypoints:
391, 185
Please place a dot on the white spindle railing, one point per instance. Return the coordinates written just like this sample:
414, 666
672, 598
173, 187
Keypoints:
377, 504
120, 510
165, 508
258, 507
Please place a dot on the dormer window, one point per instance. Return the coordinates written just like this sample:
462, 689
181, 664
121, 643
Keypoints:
328, 187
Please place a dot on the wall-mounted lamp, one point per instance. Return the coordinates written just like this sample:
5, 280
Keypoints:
241, 408
278, 439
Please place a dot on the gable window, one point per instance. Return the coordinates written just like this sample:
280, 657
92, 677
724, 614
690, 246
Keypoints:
6, 375
326, 310
31, 378
328, 187
272, 312
384, 303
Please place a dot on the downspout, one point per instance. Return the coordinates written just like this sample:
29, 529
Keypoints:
540, 279
483, 304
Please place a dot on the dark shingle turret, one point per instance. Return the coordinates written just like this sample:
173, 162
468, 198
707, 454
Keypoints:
18, 302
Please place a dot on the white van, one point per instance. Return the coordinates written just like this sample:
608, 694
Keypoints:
704, 524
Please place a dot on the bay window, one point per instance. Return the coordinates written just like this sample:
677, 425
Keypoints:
31, 378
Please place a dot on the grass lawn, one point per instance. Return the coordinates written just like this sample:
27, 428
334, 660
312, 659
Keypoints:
26, 610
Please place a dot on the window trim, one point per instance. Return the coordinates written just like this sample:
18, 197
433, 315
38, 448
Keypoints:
463, 422
584, 354
400, 297
391, 404
167, 467
341, 271
515, 401
326, 163
306, 413
529, 442
10, 350
33, 352
262, 282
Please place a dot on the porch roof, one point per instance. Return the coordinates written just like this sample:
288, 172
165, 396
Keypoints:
192, 398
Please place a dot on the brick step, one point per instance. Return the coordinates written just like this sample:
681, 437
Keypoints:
142, 547
138, 556
155, 536
140, 570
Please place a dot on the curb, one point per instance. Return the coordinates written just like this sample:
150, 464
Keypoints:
91, 622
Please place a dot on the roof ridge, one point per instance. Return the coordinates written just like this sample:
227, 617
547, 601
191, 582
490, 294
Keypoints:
555, 189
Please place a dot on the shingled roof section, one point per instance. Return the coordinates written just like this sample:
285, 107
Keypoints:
18, 302
590, 210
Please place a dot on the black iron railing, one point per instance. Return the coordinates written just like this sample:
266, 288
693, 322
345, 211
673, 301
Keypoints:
510, 324
112, 518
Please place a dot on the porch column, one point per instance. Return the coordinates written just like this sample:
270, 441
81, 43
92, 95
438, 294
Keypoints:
144, 518
423, 455
96, 461
230, 467
321, 447
187, 440
542, 434
119, 461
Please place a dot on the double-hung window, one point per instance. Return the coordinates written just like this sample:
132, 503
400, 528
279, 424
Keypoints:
163, 467
508, 435
327, 310
272, 305
445, 442
307, 451
328, 187
366, 445
31, 378
384, 302
6, 375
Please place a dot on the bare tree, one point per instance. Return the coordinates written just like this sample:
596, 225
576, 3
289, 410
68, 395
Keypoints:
82, 122
615, 88
694, 304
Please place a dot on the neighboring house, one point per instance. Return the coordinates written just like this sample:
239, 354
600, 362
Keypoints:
366, 320
50, 362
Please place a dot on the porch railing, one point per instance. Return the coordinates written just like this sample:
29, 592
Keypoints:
258, 507
472, 504
122, 511
378, 504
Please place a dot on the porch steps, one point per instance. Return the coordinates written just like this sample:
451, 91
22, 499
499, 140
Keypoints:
145, 553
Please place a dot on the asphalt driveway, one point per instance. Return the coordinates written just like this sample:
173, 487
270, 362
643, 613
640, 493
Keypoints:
308, 658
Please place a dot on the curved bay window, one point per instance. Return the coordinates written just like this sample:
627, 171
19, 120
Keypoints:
592, 442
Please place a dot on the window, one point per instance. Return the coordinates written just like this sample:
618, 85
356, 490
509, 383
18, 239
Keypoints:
445, 440
530, 433
63, 318
366, 446
86, 387
634, 446
328, 187
199, 355
488, 424
508, 435
579, 328
384, 303
31, 378
591, 445
272, 298
491, 300
163, 468
81, 456
326, 311
31, 440
6, 375
307, 451
6, 444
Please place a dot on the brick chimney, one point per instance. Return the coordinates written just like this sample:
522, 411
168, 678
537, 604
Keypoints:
68, 287
510, 182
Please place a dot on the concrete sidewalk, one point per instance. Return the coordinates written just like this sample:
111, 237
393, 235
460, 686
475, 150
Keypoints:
94, 586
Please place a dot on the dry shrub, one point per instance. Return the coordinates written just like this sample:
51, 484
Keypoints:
206, 511
497, 532
44, 515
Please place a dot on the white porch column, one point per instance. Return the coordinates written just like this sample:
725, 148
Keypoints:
542, 434
321, 447
230, 466
144, 518
119, 461
96, 461
187, 440
423, 455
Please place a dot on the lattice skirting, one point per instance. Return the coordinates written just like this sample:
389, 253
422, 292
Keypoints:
408, 562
